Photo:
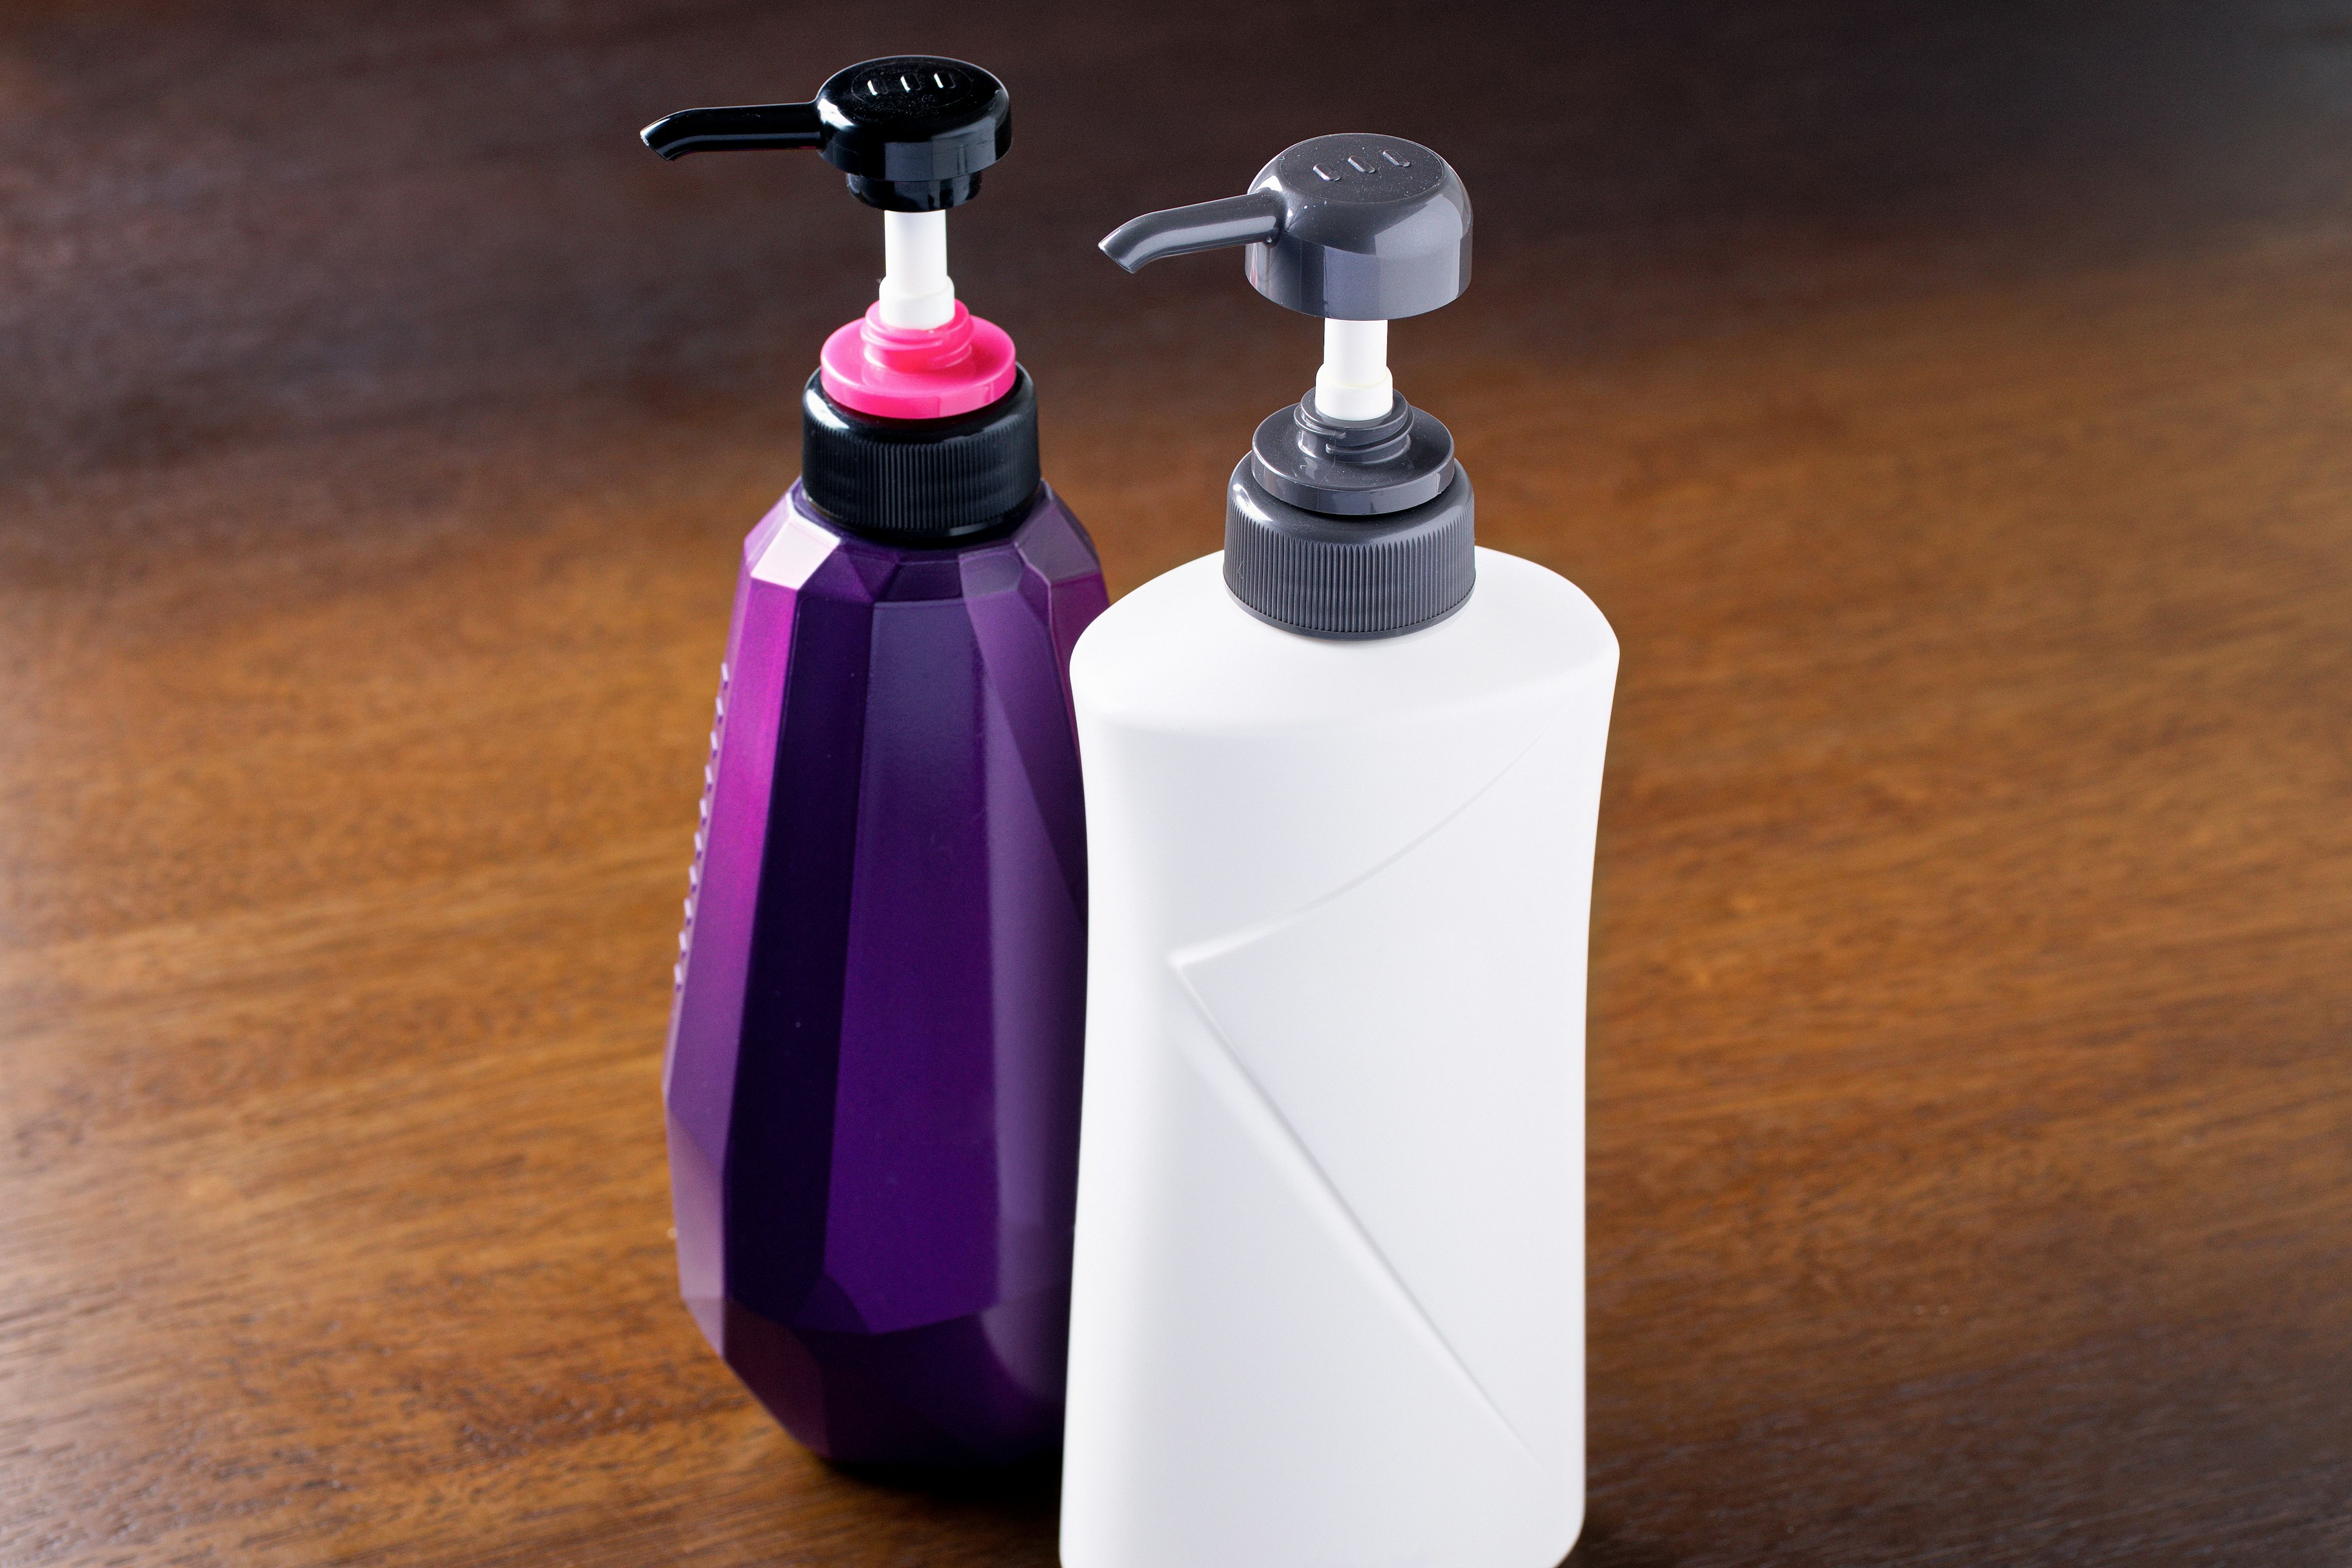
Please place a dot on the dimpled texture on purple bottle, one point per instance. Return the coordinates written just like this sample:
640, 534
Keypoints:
873, 1068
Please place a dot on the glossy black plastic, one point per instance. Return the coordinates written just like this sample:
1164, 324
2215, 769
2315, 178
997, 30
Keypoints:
911, 131
922, 482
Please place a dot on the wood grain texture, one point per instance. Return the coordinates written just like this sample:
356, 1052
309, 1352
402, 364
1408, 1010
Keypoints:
1951, 411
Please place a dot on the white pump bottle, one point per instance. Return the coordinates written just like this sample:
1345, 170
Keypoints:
1341, 787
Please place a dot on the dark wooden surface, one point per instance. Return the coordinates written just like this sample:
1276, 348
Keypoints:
1953, 413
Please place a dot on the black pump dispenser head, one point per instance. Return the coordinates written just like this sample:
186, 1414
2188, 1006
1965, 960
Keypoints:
911, 131
938, 445
1350, 517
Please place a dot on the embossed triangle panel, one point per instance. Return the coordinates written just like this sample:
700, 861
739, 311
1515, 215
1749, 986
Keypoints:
1391, 1040
1305, 1336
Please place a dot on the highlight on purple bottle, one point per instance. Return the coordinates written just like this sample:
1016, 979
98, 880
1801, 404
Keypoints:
873, 1068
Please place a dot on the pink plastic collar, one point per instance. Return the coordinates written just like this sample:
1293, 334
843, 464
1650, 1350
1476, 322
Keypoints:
917, 373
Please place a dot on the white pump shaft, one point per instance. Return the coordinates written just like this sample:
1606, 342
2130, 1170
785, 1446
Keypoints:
1354, 382
915, 289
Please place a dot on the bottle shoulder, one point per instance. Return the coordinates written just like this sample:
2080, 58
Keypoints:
1181, 653
797, 547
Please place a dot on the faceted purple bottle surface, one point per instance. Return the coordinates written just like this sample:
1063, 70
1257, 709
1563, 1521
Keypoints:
872, 1078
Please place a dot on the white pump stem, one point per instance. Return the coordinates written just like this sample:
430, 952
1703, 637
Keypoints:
1354, 382
915, 289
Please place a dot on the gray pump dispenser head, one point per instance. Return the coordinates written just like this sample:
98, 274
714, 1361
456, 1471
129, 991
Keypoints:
1350, 517
1360, 228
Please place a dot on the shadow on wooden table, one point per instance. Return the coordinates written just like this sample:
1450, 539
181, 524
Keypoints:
1023, 1494
1030, 1496
1600, 1547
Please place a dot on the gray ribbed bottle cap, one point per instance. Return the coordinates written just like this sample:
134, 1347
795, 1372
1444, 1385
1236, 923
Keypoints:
1349, 577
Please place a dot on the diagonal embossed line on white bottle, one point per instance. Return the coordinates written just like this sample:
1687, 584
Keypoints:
1341, 784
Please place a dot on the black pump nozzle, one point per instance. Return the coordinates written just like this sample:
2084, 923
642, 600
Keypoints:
747, 129
911, 131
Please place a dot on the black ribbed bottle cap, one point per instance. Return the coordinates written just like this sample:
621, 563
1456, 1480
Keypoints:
1353, 577
920, 481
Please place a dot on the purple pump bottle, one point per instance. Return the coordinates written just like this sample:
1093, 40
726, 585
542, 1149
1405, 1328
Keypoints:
872, 1077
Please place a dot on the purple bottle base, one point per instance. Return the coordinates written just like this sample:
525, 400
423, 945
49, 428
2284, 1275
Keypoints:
942, 1394
873, 1068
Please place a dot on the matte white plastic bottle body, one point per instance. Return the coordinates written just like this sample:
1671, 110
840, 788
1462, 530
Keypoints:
1328, 1303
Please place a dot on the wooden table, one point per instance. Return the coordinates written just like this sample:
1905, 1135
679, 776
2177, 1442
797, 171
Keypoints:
1953, 414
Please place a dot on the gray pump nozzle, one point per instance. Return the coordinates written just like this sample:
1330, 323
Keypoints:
1353, 227
1252, 219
